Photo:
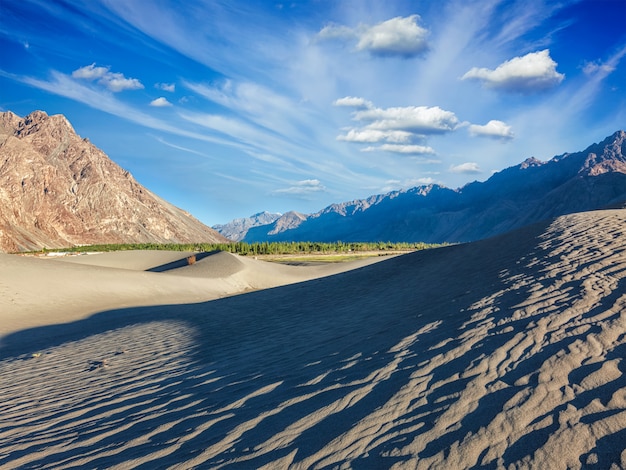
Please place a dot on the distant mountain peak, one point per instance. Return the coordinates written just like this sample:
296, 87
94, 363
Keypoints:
522, 194
530, 162
606, 156
237, 229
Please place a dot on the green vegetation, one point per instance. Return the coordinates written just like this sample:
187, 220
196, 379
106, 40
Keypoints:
254, 249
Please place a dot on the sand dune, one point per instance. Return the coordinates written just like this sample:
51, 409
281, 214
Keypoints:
35, 292
505, 353
136, 260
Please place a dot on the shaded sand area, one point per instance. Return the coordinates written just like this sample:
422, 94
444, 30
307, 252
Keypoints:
35, 292
505, 353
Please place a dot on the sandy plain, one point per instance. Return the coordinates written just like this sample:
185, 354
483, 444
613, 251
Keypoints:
503, 353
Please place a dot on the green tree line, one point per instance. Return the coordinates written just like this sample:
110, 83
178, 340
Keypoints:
260, 248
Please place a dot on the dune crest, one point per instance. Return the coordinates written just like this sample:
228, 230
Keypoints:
504, 353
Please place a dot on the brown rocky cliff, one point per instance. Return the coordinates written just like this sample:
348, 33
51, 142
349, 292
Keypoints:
59, 190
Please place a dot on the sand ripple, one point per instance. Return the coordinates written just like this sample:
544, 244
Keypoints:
506, 353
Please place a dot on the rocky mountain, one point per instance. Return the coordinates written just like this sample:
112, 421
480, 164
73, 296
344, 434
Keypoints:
237, 229
514, 197
59, 190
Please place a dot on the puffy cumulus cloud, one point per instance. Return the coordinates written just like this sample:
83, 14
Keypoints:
395, 37
117, 82
301, 188
398, 124
415, 119
114, 81
400, 37
494, 129
90, 72
171, 87
353, 102
466, 168
399, 129
160, 102
404, 149
535, 71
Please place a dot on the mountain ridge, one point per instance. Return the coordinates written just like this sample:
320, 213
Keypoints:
530, 191
60, 190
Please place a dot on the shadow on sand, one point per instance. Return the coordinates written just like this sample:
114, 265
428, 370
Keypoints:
329, 353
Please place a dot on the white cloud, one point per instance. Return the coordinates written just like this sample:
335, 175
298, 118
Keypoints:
302, 187
63, 85
535, 71
90, 72
117, 82
466, 168
400, 36
416, 119
398, 129
333, 31
160, 102
256, 104
395, 37
178, 147
404, 149
591, 68
494, 128
114, 81
171, 87
353, 102
374, 135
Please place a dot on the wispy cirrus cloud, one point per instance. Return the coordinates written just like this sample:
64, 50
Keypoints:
532, 72
330, 90
64, 85
399, 37
114, 81
402, 149
375, 135
255, 105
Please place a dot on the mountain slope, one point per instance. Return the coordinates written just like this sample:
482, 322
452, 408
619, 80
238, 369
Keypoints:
237, 229
514, 197
59, 190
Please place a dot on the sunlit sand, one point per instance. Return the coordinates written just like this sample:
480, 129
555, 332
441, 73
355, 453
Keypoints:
504, 352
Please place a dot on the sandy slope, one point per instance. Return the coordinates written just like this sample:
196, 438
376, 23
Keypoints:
506, 353
36, 292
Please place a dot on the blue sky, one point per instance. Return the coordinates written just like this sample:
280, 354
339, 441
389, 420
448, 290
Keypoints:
227, 108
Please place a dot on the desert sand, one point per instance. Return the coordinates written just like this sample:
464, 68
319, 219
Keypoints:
503, 353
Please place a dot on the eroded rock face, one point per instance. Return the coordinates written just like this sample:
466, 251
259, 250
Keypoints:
58, 190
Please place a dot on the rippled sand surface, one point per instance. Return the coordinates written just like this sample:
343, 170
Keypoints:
504, 353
